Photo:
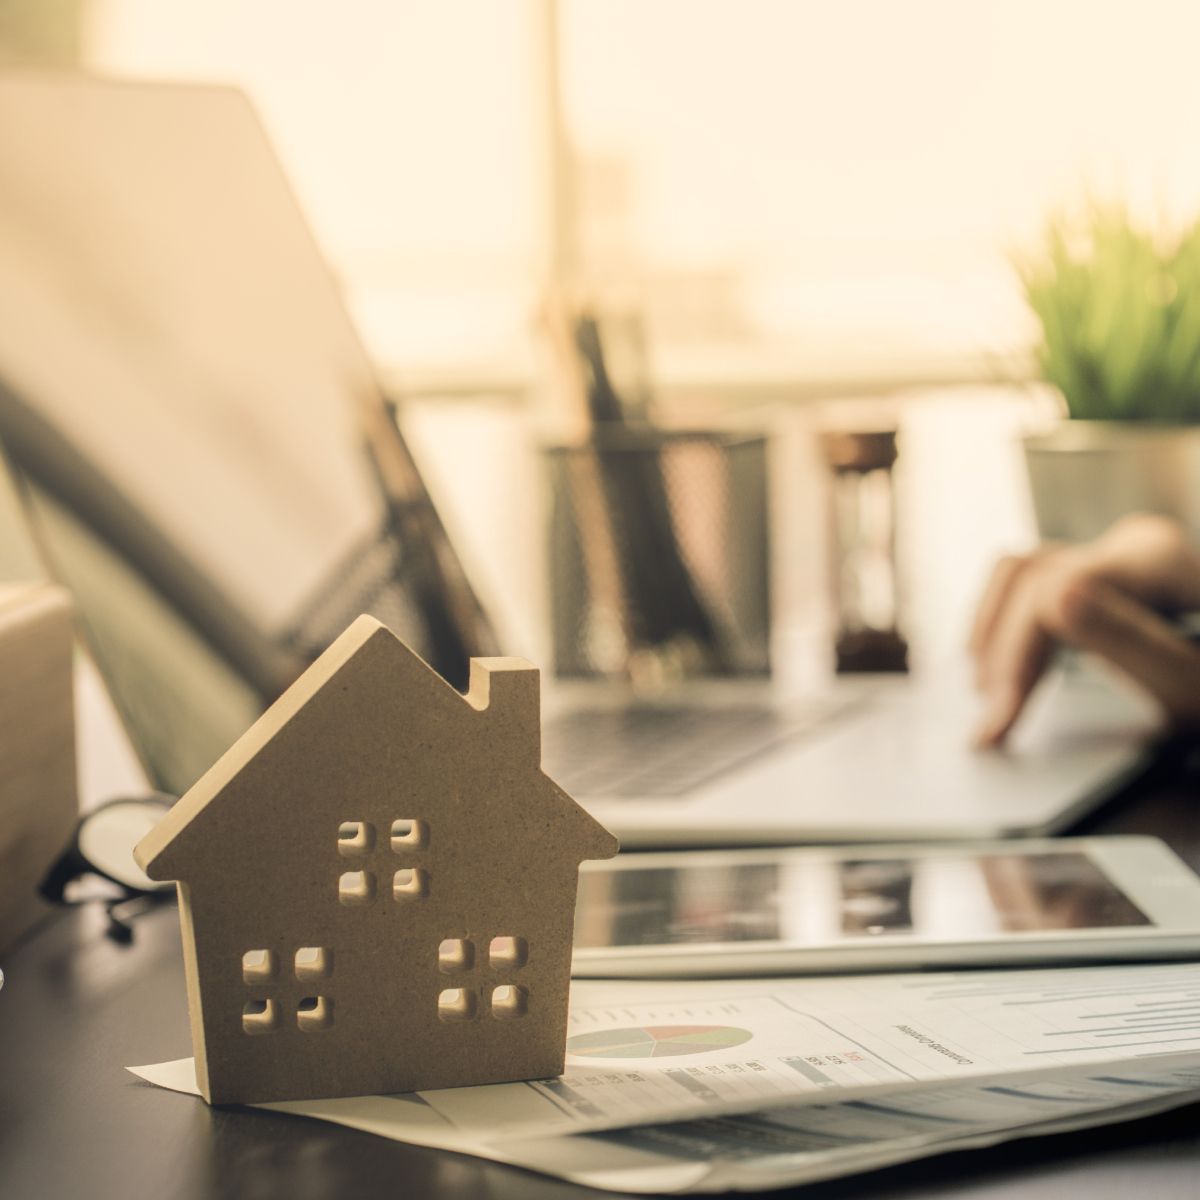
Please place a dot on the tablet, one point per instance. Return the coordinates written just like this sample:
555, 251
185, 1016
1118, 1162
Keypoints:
707, 913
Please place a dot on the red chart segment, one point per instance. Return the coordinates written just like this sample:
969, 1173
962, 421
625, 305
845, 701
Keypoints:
656, 1041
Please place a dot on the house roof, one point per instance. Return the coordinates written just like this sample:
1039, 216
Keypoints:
493, 681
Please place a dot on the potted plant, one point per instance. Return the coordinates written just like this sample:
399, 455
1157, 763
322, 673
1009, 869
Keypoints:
1119, 309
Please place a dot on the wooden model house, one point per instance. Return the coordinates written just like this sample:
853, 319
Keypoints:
377, 884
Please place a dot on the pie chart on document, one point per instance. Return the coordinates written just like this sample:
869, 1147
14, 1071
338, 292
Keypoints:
656, 1041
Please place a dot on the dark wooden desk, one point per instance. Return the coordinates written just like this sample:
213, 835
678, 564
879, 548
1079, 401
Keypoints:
77, 1008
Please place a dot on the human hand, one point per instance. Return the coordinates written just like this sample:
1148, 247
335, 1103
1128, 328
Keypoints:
1112, 597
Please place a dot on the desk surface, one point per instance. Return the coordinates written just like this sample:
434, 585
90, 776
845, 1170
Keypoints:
77, 1008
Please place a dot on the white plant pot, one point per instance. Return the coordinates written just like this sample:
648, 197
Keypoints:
1084, 475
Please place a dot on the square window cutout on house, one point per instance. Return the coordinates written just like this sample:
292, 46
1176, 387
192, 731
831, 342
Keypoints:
410, 883
456, 1004
456, 954
408, 834
509, 1000
356, 887
314, 1013
314, 962
355, 838
508, 953
260, 1016
258, 966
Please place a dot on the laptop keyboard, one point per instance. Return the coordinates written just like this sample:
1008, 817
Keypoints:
662, 752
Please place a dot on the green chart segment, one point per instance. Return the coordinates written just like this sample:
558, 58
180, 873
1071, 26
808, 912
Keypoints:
657, 1041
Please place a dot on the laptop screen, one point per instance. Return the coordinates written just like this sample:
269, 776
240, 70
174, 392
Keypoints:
183, 394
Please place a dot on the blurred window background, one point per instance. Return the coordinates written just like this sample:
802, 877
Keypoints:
801, 200
793, 193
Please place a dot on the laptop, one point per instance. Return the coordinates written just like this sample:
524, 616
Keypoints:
210, 466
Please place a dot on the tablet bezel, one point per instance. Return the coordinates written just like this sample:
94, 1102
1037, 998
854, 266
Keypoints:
1144, 869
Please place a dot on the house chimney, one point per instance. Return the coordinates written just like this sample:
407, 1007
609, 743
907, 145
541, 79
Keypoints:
509, 689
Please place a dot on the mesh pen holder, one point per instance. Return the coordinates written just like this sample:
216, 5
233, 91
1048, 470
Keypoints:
659, 555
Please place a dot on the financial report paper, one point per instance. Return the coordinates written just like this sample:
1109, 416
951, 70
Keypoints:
680, 1086
774, 1147
782, 1147
652, 1052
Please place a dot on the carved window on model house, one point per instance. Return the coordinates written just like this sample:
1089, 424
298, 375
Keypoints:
456, 1004
507, 954
261, 973
260, 1014
456, 955
402, 838
356, 840
259, 966
509, 1001
356, 887
410, 883
407, 836
313, 962
506, 1000
314, 1013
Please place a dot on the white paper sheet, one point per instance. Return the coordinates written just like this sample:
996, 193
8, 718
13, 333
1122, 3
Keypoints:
775, 1147
837, 1075
653, 1052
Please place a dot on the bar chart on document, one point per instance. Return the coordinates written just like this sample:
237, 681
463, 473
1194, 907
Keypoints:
1141, 1011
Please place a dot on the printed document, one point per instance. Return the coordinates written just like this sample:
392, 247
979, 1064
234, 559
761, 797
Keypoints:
686, 1086
651, 1052
775, 1147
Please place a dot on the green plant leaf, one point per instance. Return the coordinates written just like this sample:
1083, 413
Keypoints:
1119, 310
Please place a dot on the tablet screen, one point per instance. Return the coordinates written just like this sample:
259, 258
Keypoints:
813, 900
